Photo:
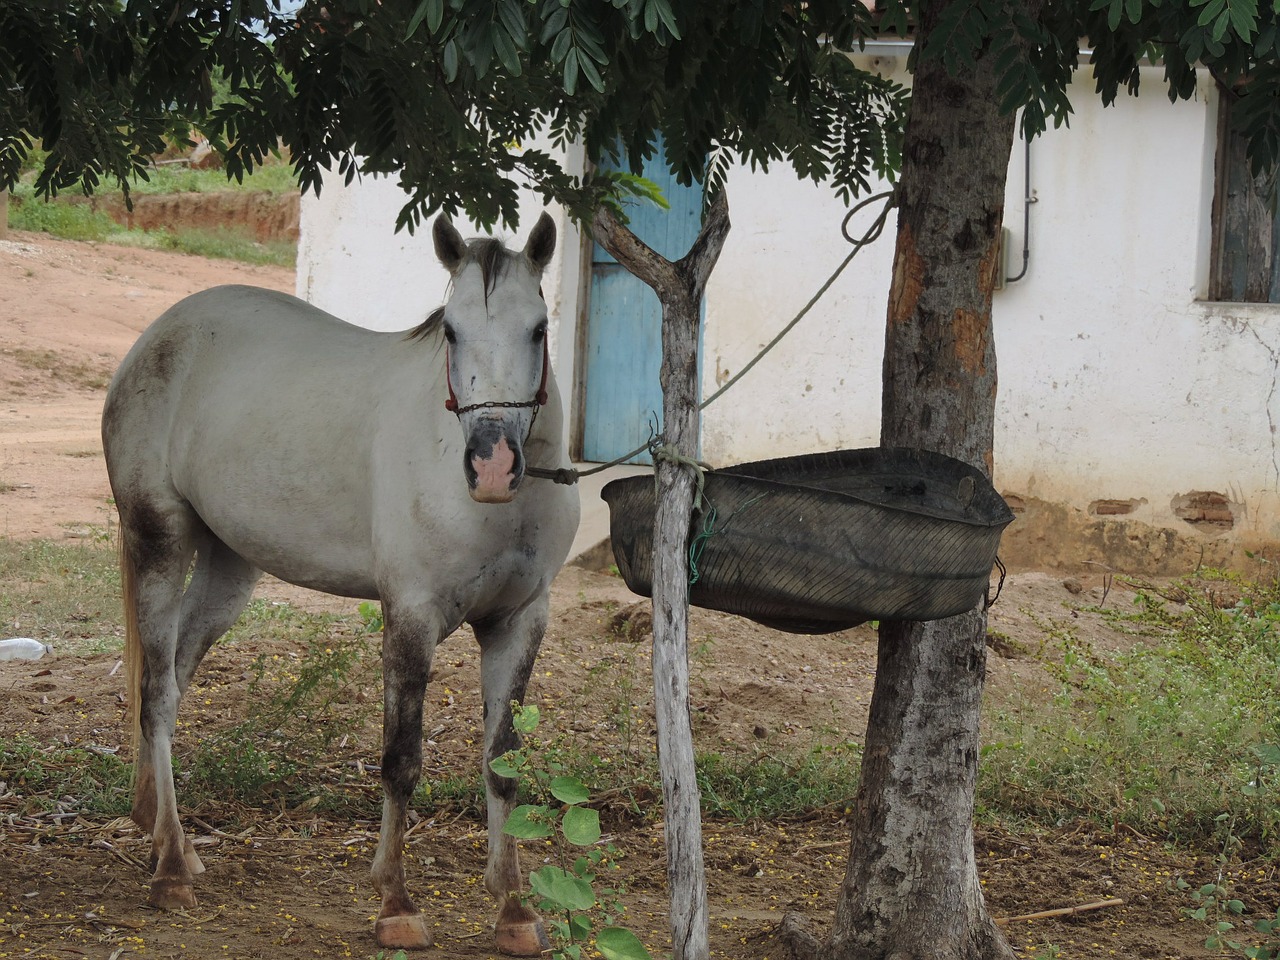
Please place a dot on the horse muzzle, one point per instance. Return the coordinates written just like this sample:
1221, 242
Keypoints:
493, 463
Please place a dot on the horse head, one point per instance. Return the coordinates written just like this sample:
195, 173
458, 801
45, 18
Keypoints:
495, 328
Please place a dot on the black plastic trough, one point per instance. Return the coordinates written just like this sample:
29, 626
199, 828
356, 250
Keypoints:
823, 542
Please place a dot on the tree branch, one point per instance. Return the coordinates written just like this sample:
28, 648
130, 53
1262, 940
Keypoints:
636, 255
698, 263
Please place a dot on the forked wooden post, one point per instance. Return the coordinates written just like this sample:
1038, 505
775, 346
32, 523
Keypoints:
679, 287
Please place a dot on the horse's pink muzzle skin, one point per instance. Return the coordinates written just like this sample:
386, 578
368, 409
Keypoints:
493, 469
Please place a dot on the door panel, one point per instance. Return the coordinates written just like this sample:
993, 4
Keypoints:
624, 325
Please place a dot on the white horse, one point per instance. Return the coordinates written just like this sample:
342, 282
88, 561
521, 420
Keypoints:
253, 432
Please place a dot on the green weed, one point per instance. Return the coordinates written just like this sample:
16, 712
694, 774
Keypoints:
99, 780
70, 221
579, 910
63, 593
276, 178
1170, 737
227, 244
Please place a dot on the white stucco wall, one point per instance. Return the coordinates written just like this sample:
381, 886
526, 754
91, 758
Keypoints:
1117, 382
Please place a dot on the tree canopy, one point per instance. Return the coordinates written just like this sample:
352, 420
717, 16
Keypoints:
447, 95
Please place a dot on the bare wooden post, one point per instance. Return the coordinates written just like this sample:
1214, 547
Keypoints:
679, 287
4, 214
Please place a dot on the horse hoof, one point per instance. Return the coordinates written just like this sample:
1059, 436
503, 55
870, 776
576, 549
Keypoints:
527, 938
405, 932
172, 895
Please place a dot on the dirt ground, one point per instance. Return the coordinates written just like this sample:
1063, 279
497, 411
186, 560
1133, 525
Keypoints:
292, 884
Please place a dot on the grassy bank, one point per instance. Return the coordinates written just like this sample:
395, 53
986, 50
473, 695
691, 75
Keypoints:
69, 220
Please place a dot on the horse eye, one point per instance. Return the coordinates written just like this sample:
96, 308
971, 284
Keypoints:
449, 335
540, 332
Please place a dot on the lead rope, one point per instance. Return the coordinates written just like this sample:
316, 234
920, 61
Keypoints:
566, 475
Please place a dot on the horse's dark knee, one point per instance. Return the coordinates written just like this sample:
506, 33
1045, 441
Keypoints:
402, 765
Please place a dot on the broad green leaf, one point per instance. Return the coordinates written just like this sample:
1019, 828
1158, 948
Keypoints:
581, 826
525, 719
568, 892
619, 943
579, 926
569, 790
508, 765
1267, 753
528, 822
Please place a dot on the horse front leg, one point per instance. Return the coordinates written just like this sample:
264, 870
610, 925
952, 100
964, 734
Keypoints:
408, 644
508, 648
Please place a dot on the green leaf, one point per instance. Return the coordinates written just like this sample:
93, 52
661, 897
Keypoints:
528, 822
569, 790
592, 74
1267, 753
432, 11
525, 719
571, 72
579, 926
567, 892
508, 55
509, 764
581, 826
619, 943
450, 64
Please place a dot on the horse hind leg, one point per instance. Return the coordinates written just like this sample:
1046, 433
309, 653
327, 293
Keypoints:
408, 644
507, 649
220, 588
156, 551
169, 631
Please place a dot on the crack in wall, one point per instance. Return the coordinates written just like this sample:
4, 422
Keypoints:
1271, 419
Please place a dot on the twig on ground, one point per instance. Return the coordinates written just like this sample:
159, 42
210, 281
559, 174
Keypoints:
1062, 911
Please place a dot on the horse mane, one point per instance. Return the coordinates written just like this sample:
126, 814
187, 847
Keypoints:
493, 259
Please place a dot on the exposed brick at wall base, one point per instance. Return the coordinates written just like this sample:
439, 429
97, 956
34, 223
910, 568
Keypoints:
1053, 536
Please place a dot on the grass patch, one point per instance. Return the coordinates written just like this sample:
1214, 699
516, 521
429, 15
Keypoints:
225, 244
1178, 737
76, 221
64, 593
303, 713
78, 373
778, 786
42, 775
275, 178
69, 221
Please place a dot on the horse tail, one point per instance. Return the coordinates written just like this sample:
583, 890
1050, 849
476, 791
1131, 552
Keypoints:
132, 642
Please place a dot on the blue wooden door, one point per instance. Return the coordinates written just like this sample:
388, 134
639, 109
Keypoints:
622, 395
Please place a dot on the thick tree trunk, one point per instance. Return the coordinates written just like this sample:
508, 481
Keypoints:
911, 891
679, 287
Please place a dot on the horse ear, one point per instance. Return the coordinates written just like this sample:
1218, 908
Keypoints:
542, 241
450, 247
